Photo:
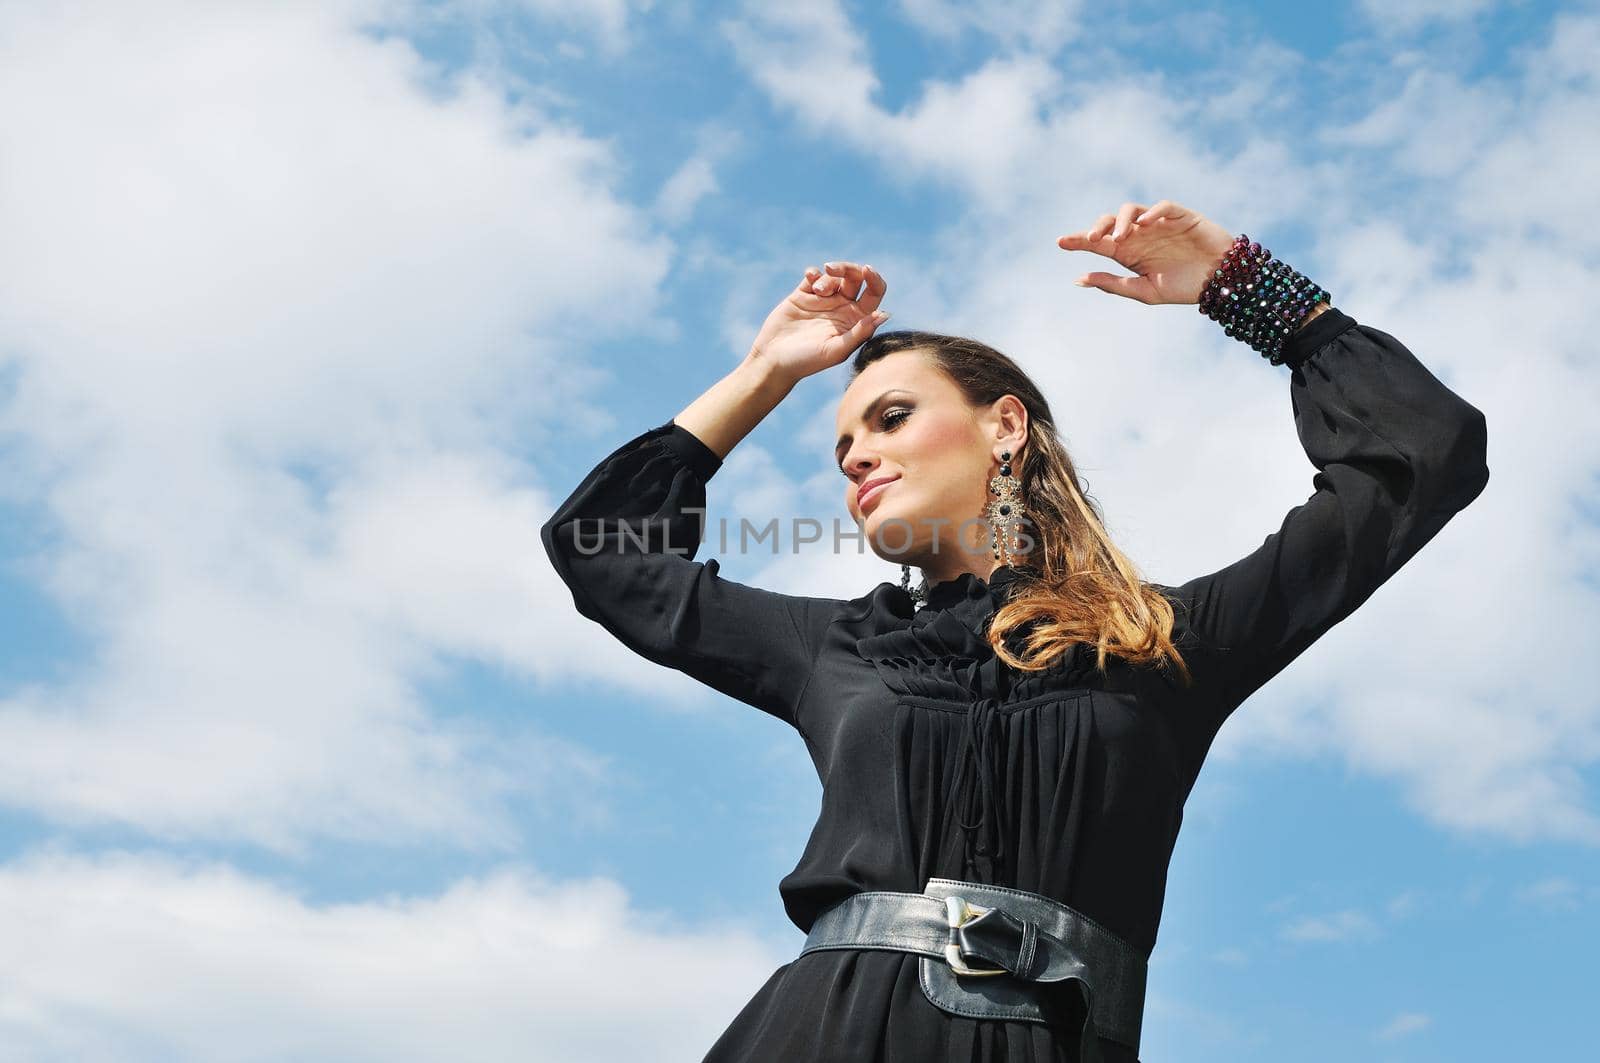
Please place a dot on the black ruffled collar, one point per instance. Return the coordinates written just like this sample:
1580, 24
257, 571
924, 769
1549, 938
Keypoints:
969, 586
941, 650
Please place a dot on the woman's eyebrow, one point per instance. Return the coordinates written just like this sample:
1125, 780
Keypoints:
866, 415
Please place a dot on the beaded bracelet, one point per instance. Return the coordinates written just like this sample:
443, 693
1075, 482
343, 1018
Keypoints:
1259, 299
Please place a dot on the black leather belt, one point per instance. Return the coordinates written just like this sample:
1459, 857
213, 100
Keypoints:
987, 950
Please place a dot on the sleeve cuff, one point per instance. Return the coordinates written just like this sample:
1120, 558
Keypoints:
692, 451
1315, 336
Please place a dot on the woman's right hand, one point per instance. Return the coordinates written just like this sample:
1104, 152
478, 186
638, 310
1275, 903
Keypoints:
823, 320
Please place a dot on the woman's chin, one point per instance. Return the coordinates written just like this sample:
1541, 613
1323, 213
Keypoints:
885, 521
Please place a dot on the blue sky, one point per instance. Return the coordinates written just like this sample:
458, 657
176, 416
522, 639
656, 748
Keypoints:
310, 313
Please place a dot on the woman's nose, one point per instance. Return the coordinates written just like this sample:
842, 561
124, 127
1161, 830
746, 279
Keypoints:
857, 467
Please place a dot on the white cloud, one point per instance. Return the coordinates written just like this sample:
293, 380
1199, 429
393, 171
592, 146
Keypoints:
1174, 1027
696, 177
811, 59
128, 957
1037, 25
1334, 926
814, 65
1407, 1022
502, 31
1408, 16
608, 20
1434, 125
278, 302
1554, 893
1497, 147
1405, 904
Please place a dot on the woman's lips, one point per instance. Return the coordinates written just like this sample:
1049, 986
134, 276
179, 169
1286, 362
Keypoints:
872, 493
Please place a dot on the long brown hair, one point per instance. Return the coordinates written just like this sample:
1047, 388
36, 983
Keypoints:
1081, 587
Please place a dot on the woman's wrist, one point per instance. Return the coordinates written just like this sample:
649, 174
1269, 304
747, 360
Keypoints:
731, 408
1260, 300
1315, 310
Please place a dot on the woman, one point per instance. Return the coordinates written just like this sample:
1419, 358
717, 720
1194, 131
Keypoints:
1005, 752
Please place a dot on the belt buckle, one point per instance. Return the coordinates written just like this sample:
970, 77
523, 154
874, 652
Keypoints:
958, 913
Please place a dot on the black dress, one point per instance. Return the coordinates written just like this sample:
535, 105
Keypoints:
938, 760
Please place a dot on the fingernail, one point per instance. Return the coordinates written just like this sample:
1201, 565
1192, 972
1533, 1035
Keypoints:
1080, 282
882, 315
829, 265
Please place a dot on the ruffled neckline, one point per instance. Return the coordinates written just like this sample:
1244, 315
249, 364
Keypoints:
941, 650
969, 586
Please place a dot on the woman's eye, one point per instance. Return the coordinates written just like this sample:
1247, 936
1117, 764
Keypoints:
890, 420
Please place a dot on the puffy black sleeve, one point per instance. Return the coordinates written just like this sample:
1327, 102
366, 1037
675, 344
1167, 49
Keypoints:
624, 544
1397, 455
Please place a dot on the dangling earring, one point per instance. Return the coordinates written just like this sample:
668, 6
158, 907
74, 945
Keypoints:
1005, 512
920, 594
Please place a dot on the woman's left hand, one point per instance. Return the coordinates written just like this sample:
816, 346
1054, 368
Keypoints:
1173, 250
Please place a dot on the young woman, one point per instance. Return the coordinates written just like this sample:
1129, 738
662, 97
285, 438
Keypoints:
1005, 751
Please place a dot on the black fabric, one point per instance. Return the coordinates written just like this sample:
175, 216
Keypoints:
936, 760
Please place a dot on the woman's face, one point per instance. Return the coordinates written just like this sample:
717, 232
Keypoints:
902, 420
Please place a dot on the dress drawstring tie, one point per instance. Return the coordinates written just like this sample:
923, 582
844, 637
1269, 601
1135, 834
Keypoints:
980, 802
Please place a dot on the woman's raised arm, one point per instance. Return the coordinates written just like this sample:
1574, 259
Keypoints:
1397, 455
624, 541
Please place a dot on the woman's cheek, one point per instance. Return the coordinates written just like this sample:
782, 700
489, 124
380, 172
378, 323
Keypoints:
938, 440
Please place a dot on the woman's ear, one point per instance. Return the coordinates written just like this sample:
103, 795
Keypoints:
1011, 425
